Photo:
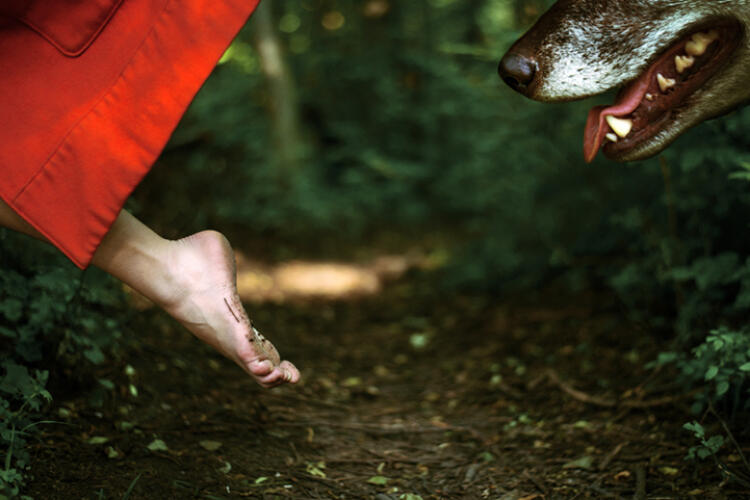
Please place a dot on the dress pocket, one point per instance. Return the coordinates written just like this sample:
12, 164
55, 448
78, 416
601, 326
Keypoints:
70, 25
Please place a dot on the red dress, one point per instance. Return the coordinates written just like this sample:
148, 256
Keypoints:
90, 91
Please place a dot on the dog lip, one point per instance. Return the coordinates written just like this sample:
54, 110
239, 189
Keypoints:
641, 140
652, 119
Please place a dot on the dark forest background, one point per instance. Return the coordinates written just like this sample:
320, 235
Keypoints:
331, 125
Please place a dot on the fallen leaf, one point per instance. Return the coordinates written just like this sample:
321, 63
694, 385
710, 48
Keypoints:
210, 445
381, 371
352, 382
585, 463
157, 445
419, 340
625, 474
669, 471
124, 425
107, 384
410, 496
511, 495
315, 469
97, 440
379, 480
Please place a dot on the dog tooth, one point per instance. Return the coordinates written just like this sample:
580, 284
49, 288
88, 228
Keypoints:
699, 42
664, 82
620, 126
649, 96
695, 48
683, 62
611, 137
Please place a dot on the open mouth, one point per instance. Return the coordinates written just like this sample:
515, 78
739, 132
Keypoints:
651, 103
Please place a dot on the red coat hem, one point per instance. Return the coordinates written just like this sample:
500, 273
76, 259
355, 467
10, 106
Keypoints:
78, 192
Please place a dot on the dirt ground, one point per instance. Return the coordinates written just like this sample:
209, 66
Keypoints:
408, 394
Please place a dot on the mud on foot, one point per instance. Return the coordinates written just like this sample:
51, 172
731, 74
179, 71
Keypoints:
205, 301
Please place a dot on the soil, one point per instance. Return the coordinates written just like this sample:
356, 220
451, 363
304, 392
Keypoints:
412, 393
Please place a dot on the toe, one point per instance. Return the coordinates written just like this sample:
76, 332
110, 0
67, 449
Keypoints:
276, 377
260, 368
291, 373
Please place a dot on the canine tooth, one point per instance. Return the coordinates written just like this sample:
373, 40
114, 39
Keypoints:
665, 83
620, 126
683, 62
611, 137
699, 42
649, 96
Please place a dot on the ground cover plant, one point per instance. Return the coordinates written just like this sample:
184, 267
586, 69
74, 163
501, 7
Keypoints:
51, 317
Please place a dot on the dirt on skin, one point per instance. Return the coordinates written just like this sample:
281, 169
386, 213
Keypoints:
409, 394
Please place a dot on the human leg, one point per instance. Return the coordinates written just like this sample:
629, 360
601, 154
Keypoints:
192, 279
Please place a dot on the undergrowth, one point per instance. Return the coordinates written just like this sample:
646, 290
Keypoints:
53, 317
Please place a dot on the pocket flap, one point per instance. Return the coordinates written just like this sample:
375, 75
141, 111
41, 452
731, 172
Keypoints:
69, 25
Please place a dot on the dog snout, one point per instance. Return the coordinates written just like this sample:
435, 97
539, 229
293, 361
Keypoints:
518, 71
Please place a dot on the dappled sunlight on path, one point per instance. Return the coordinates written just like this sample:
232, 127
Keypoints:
299, 279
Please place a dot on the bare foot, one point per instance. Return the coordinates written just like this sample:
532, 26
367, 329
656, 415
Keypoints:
204, 299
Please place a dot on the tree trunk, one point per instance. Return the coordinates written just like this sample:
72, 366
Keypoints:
283, 105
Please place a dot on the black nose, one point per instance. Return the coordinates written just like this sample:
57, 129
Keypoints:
517, 71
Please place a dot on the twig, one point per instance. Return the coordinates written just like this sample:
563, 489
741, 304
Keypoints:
383, 429
536, 482
610, 403
303, 399
576, 394
731, 436
601, 491
366, 461
640, 483
666, 400
611, 455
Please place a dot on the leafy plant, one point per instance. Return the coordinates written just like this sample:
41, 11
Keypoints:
51, 316
18, 384
708, 446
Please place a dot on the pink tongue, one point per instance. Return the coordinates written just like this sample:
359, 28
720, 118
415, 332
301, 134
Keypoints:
596, 126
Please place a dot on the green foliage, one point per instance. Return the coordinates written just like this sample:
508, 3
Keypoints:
708, 446
407, 126
721, 360
18, 384
51, 315
727, 357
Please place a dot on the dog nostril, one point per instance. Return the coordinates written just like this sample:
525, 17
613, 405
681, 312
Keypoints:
517, 70
512, 82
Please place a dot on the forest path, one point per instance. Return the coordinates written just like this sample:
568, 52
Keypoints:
407, 394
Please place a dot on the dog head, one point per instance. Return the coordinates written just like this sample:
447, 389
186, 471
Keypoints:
677, 62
